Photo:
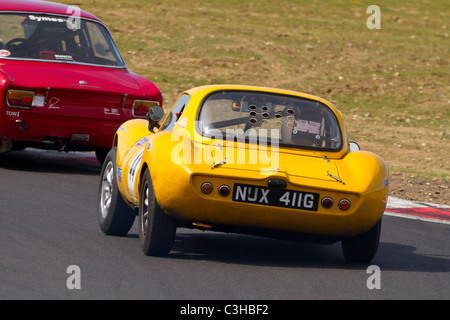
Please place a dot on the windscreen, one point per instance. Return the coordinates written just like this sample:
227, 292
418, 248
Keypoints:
256, 116
52, 38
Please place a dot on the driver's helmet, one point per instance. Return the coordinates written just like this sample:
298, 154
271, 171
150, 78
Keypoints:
29, 27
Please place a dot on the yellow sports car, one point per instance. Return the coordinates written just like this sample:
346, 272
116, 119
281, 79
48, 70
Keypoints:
244, 159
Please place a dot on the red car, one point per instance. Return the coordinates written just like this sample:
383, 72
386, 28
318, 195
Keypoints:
63, 82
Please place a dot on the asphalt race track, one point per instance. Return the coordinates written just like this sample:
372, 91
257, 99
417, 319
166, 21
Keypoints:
48, 223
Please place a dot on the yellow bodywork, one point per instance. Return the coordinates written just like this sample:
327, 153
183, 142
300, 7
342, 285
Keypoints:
181, 160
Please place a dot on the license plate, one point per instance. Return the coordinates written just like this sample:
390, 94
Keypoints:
276, 197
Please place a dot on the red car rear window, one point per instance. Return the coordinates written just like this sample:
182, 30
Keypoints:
33, 36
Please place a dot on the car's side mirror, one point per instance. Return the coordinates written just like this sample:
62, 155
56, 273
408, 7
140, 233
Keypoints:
154, 115
353, 146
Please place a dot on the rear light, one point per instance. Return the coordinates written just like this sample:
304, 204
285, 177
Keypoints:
327, 202
224, 190
207, 188
141, 107
344, 204
20, 99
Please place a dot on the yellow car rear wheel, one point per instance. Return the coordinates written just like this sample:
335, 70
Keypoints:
156, 229
362, 248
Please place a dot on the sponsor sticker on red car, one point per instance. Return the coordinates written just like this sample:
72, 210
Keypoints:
4, 53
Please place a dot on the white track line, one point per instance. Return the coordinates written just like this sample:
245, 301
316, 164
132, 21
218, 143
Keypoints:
397, 203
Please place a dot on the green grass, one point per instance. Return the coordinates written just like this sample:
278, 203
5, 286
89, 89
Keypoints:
390, 83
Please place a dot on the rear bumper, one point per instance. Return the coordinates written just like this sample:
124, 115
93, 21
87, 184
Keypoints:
185, 202
82, 133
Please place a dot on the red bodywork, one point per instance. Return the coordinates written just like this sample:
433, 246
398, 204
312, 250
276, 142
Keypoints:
81, 106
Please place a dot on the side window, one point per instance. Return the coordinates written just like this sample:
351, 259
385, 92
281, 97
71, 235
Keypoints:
175, 113
100, 46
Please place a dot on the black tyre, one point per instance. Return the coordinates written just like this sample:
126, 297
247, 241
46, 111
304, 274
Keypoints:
101, 155
115, 217
362, 248
156, 229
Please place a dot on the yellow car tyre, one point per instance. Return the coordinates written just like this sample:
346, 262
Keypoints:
156, 229
115, 217
363, 247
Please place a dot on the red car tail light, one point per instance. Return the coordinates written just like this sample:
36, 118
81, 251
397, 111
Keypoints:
20, 99
224, 190
344, 204
141, 107
207, 188
327, 202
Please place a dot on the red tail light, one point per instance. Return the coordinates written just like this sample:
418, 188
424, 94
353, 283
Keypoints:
344, 204
327, 202
141, 107
20, 99
224, 190
207, 188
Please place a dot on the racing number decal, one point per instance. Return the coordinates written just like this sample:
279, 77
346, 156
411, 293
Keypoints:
135, 164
